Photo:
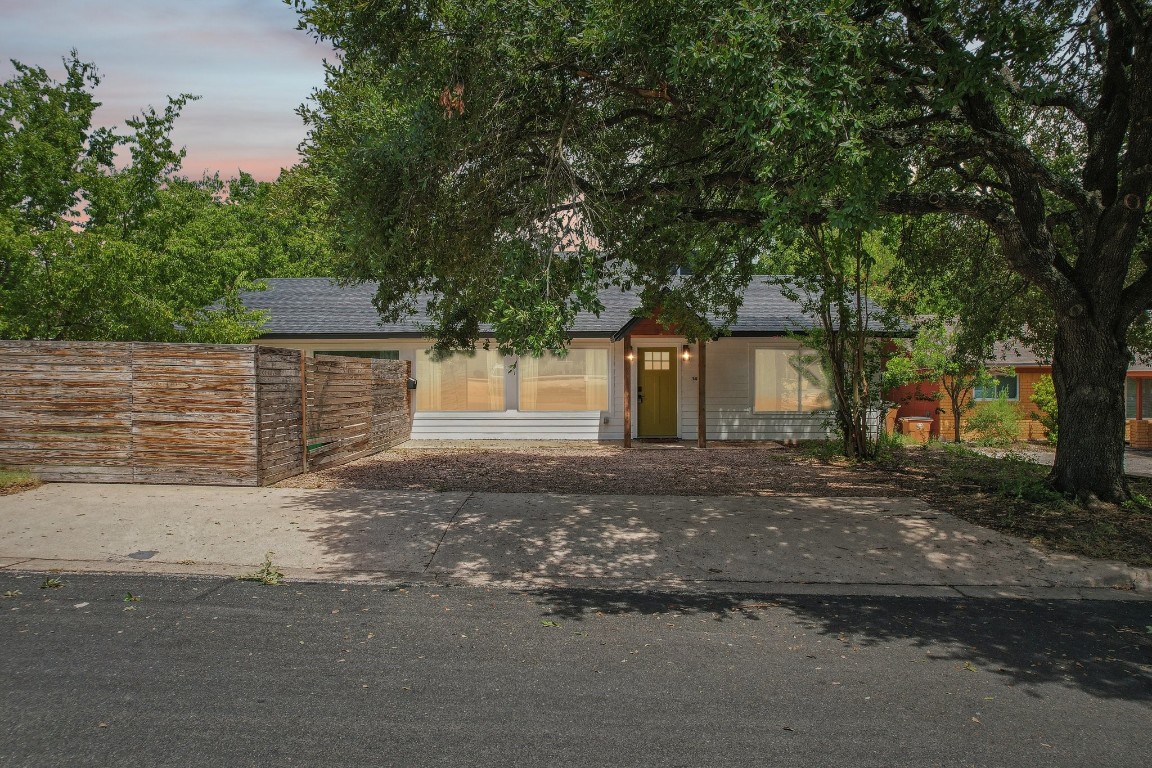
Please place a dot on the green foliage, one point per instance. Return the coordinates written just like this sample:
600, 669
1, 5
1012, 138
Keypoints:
1020, 480
267, 574
93, 249
1044, 397
14, 480
948, 355
477, 150
823, 450
830, 274
890, 445
996, 422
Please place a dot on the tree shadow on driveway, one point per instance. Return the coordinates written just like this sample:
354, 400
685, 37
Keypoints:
520, 541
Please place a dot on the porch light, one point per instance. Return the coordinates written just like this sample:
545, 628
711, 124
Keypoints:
686, 355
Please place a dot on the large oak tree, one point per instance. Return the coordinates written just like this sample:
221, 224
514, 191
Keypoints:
458, 136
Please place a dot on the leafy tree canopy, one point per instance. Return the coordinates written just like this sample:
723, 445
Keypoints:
479, 150
101, 239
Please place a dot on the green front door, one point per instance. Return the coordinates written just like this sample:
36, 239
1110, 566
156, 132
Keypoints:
656, 392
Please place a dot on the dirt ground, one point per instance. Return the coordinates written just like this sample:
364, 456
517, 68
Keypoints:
759, 469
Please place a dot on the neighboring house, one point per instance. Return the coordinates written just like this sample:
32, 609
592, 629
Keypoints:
621, 373
1016, 371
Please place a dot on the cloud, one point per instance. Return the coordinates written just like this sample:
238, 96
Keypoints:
245, 59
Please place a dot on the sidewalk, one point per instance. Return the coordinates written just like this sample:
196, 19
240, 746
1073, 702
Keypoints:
1137, 462
782, 544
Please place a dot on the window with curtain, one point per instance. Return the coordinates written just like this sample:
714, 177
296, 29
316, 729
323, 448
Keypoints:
576, 382
788, 380
1006, 384
461, 382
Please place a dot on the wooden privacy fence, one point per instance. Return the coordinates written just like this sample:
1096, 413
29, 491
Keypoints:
192, 413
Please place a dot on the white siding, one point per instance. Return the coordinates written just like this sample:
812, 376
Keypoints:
730, 396
507, 425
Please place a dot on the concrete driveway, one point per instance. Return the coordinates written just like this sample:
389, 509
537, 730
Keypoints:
797, 544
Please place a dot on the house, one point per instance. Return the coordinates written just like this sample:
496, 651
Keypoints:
1015, 372
623, 377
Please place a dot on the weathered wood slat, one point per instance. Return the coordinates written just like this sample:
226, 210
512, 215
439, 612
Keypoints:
142, 412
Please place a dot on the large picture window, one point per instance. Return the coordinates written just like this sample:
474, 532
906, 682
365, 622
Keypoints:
789, 380
461, 382
575, 382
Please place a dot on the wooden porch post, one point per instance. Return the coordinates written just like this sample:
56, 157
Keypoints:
701, 393
627, 394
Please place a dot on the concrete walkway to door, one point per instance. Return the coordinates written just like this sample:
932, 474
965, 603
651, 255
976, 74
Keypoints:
779, 544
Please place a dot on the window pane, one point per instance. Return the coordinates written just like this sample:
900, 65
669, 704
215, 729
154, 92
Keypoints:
657, 361
576, 382
1130, 398
1009, 386
777, 382
789, 380
814, 389
1146, 398
460, 383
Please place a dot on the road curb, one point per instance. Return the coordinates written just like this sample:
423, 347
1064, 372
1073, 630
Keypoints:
1090, 591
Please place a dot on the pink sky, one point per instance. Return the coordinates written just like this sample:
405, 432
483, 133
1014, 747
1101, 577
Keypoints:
244, 58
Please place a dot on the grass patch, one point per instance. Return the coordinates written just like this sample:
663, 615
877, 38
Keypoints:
1011, 495
16, 480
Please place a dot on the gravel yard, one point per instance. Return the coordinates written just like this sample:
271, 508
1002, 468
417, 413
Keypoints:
751, 469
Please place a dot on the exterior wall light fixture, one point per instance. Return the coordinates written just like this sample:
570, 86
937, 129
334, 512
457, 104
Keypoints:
686, 355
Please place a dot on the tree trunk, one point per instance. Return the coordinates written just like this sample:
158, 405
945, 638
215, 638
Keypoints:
1089, 366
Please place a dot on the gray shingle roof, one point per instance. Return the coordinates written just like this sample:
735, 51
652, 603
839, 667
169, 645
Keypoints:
1012, 354
315, 306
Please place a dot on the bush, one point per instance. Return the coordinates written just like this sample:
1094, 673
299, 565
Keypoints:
996, 422
1044, 397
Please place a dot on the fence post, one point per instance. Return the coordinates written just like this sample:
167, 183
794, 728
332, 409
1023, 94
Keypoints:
304, 406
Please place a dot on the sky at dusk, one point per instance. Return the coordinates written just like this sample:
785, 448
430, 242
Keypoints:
244, 58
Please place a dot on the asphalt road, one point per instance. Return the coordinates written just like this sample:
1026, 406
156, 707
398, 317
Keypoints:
225, 673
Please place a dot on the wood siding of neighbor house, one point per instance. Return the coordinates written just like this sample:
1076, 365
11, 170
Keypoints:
1030, 427
729, 409
1138, 432
165, 413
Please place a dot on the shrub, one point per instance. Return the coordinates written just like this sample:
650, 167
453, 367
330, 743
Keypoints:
1044, 397
996, 422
